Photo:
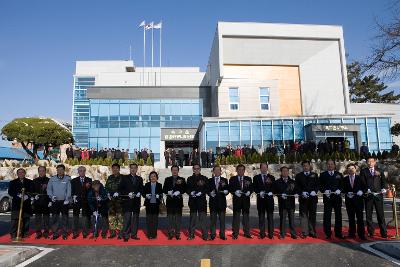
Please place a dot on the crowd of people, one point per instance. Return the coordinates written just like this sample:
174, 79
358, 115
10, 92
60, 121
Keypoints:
114, 208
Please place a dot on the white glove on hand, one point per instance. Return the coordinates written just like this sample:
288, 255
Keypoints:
176, 193
98, 198
226, 192
369, 191
32, 200
95, 214
262, 194
130, 195
19, 195
138, 195
157, 196
26, 197
350, 194
296, 195
270, 194
109, 196
50, 204
66, 202
284, 196
383, 191
213, 194
115, 194
327, 193
305, 194
148, 196
170, 193
193, 193
53, 198
238, 193
313, 194
248, 193
198, 194
375, 194
36, 197
74, 199
337, 192
359, 193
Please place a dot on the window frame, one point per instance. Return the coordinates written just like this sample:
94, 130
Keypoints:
268, 95
233, 103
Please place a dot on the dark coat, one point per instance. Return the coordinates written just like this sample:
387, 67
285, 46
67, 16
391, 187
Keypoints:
307, 183
15, 188
40, 187
374, 182
289, 188
197, 184
147, 190
268, 201
242, 202
218, 203
98, 205
332, 183
80, 190
180, 185
127, 185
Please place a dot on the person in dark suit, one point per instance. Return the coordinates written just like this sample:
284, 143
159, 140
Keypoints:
203, 157
241, 187
218, 188
131, 185
354, 188
285, 188
197, 189
174, 187
41, 204
98, 205
79, 189
263, 187
15, 191
153, 195
376, 187
307, 185
181, 157
331, 184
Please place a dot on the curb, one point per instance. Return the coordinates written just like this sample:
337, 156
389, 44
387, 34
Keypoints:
21, 255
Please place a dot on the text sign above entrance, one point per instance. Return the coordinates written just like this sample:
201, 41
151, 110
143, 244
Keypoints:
172, 134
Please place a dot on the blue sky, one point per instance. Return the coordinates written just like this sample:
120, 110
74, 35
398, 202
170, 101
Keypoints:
41, 40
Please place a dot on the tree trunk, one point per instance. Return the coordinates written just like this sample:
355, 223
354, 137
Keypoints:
33, 153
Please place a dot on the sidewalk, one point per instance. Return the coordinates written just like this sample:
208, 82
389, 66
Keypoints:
389, 250
12, 255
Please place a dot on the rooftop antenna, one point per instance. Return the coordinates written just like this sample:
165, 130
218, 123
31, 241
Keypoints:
130, 52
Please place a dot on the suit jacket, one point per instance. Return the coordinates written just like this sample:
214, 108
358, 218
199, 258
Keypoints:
15, 188
127, 185
307, 183
98, 205
39, 186
289, 188
374, 182
359, 184
242, 202
259, 185
180, 185
197, 184
147, 190
80, 190
218, 203
332, 183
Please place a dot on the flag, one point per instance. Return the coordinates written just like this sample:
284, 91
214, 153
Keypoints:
150, 26
143, 23
158, 25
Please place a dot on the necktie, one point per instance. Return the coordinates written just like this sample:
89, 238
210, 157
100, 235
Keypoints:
372, 171
241, 183
216, 182
82, 180
264, 178
352, 181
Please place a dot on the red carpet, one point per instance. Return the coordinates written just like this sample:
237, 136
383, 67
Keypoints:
162, 240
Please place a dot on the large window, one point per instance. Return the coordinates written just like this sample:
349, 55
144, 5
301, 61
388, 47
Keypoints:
264, 98
234, 98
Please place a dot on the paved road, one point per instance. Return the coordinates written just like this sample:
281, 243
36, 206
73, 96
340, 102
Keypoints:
326, 254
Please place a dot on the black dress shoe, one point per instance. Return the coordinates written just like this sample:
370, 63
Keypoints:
205, 238
75, 236
328, 237
281, 237
126, 239
303, 236
339, 236
371, 235
178, 237
293, 236
384, 235
212, 237
313, 235
119, 236
55, 236
46, 235
38, 235
271, 236
190, 237
134, 237
351, 236
248, 236
363, 238
84, 235
170, 237
234, 237
261, 236
104, 236
223, 237
64, 236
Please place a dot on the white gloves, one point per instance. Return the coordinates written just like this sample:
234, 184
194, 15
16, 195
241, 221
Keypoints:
350, 194
26, 197
247, 193
66, 202
226, 192
313, 193
109, 196
327, 193
383, 191
74, 199
337, 192
148, 196
296, 195
53, 198
138, 195
170, 193
157, 196
36, 197
305, 194
284, 196
50, 204
98, 198
32, 200
213, 194
115, 194
177, 193
198, 194
262, 194
238, 193
130, 195
270, 194
369, 191
359, 193
192, 193
19, 195
95, 214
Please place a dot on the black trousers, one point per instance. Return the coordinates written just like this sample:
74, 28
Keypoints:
180, 161
42, 222
261, 221
57, 223
283, 213
355, 209
236, 222
370, 203
213, 222
332, 203
200, 217
100, 223
24, 224
152, 211
174, 216
308, 215
166, 162
131, 224
76, 210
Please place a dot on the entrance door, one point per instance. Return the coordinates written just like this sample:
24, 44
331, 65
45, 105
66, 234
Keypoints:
186, 146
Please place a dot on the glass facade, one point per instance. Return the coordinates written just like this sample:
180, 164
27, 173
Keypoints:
80, 111
135, 124
375, 132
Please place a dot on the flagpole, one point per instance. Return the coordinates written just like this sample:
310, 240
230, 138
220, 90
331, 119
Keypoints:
160, 50
144, 51
152, 45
